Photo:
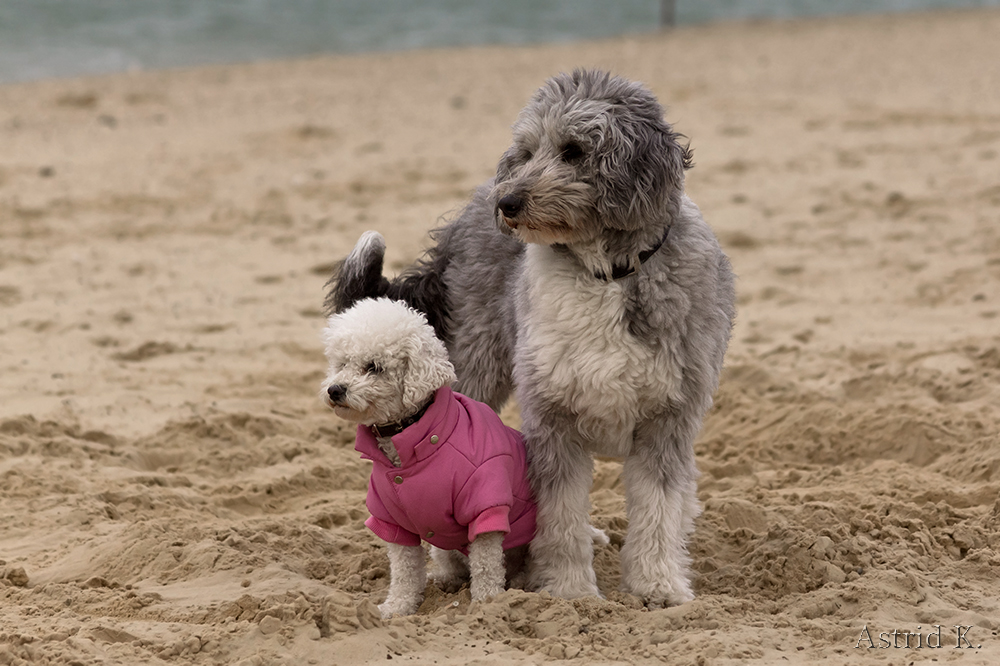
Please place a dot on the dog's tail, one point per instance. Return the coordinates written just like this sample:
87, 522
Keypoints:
420, 286
359, 276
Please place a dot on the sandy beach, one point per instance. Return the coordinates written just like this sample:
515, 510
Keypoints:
173, 491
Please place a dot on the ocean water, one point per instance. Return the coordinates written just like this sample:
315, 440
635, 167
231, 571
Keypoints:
60, 38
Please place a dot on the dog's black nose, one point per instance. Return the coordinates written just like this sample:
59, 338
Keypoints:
336, 393
510, 205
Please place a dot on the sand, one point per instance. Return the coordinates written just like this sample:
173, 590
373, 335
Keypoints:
173, 491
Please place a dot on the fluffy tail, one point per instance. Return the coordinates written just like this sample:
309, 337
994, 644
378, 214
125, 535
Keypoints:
420, 286
358, 276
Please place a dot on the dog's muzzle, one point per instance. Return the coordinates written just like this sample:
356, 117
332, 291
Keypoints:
337, 393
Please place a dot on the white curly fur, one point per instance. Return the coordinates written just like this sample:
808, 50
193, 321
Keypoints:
387, 359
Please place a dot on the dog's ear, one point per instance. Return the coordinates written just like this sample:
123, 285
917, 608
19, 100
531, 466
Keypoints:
427, 369
641, 165
505, 167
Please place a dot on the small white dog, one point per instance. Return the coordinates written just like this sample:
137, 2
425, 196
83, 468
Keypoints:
446, 470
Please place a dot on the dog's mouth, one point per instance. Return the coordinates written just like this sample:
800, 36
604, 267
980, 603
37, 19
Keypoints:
335, 398
349, 413
545, 234
550, 211
532, 230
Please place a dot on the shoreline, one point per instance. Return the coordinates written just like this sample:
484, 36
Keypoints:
739, 25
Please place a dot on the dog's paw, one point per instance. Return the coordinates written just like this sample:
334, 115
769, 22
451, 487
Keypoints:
661, 596
565, 583
398, 607
599, 536
484, 591
568, 590
564, 570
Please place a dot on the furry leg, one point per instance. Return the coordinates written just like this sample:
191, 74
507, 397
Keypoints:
451, 569
562, 552
408, 579
661, 504
486, 565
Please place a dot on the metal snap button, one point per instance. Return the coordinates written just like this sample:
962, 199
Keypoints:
398, 479
434, 439
430, 534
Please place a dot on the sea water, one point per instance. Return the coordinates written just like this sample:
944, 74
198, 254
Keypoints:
59, 38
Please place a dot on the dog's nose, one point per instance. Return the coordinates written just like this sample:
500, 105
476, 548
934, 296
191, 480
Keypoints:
336, 393
510, 205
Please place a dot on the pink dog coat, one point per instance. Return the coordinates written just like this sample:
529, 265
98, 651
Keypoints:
462, 473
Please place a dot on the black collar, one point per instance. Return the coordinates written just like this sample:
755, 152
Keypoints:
618, 271
384, 430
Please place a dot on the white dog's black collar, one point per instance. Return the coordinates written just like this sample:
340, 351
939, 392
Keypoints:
386, 430
618, 271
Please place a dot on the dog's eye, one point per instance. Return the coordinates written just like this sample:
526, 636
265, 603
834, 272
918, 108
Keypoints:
572, 152
374, 368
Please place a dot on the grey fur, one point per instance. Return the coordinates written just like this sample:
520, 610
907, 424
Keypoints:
594, 177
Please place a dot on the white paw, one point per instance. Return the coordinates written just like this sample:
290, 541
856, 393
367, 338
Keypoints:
599, 536
660, 595
484, 591
565, 583
398, 607
572, 590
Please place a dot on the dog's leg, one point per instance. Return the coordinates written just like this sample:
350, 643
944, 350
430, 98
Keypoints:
661, 505
562, 552
408, 577
451, 569
486, 565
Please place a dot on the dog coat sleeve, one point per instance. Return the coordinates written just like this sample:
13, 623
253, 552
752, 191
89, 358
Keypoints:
485, 501
391, 533
381, 523
494, 519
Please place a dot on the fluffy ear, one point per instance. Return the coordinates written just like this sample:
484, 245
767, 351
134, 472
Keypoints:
506, 164
428, 369
641, 166
332, 337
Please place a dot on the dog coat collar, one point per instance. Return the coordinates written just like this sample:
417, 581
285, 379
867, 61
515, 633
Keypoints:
619, 271
385, 430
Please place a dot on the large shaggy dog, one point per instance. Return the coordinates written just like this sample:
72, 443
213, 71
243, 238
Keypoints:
584, 279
